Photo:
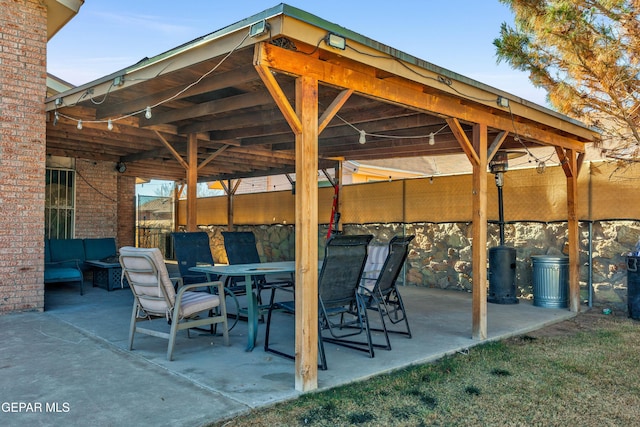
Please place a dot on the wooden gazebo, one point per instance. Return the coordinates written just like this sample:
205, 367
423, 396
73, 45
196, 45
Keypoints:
287, 92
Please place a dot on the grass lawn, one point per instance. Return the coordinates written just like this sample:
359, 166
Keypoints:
582, 372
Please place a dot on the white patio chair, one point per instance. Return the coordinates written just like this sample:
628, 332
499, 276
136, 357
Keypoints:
156, 297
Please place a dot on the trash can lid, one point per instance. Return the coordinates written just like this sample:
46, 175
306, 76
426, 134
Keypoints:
550, 258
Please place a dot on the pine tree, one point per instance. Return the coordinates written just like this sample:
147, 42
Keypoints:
586, 54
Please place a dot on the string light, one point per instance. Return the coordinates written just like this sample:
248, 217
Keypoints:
110, 125
432, 139
363, 137
147, 112
79, 125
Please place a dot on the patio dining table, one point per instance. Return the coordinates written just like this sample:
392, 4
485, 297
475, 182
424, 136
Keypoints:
249, 271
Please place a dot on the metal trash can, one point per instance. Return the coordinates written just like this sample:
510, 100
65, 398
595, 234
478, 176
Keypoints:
502, 275
550, 281
633, 286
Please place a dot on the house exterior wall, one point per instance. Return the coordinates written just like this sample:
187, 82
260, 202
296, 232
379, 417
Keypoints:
96, 199
23, 44
126, 211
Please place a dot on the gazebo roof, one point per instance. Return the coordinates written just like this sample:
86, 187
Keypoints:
228, 89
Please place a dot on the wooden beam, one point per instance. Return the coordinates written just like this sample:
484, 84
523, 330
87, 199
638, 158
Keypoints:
573, 228
192, 183
468, 149
333, 109
496, 144
406, 93
212, 156
479, 221
279, 97
306, 375
172, 150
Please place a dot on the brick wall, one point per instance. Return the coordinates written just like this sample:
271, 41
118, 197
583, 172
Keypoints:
96, 199
126, 210
23, 42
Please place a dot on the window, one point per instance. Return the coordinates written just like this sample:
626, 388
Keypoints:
59, 209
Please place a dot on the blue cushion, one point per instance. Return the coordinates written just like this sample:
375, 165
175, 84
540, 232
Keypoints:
64, 274
66, 249
97, 249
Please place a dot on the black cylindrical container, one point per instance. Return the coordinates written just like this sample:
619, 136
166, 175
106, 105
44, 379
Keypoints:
502, 275
633, 286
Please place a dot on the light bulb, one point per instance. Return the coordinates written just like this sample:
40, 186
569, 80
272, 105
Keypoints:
363, 137
79, 124
55, 118
432, 139
110, 125
147, 112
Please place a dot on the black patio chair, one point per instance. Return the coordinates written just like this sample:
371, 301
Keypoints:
241, 249
341, 310
381, 294
192, 249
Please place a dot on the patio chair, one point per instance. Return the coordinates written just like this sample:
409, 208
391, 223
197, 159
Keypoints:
341, 310
381, 294
192, 249
241, 249
155, 297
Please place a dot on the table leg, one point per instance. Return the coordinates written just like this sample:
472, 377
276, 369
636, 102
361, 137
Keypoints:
252, 313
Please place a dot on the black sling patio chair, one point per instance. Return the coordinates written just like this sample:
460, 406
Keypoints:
381, 294
192, 249
341, 311
241, 249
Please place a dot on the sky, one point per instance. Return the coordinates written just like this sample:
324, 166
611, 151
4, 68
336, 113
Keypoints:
109, 35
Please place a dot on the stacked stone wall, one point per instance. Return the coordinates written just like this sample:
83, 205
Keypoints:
440, 255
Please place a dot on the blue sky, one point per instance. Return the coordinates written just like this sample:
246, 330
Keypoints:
108, 35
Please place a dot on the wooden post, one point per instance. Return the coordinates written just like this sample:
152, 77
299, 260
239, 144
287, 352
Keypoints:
573, 231
306, 375
479, 245
192, 182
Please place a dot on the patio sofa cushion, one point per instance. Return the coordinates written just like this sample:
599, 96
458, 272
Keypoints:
62, 274
100, 248
60, 264
67, 250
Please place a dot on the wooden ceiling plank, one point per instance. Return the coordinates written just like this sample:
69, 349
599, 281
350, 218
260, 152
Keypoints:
217, 106
208, 84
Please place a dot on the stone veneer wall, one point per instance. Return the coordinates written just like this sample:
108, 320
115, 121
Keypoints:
440, 256
23, 51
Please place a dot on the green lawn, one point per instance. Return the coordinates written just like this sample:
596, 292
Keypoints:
581, 372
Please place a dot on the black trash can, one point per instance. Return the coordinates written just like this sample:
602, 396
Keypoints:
502, 275
633, 286
550, 281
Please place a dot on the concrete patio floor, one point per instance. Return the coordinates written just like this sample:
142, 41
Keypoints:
72, 359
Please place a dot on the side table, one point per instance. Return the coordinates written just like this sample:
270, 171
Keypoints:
107, 274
